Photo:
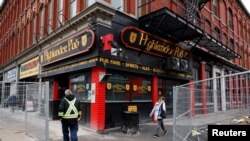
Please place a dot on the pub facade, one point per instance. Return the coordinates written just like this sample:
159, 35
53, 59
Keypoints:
115, 61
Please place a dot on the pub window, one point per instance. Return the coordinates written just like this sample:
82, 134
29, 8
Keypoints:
72, 8
60, 12
141, 89
120, 87
215, 7
81, 86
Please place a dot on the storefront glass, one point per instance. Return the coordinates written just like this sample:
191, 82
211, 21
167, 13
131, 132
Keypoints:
128, 87
81, 86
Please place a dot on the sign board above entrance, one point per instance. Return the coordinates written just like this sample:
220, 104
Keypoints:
68, 48
137, 39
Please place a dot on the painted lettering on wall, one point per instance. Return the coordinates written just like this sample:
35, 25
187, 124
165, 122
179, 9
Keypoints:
139, 40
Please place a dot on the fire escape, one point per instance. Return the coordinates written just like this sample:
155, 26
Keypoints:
183, 26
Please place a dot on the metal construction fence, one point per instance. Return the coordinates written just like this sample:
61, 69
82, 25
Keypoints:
221, 100
24, 111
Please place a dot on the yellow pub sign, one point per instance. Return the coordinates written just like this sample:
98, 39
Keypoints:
139, 40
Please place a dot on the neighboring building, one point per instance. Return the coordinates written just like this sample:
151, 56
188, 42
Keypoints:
119, 53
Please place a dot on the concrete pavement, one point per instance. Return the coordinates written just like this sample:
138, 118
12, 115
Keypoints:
13, 128
146, 132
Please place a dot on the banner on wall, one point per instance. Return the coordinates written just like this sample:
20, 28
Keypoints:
29, 68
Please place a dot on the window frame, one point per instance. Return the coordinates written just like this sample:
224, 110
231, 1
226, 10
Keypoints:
216, 8
72, 8
59, 12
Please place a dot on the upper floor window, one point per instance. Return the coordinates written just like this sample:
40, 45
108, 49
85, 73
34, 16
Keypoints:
118, 4
248, 34
240, 29
90, 2
144, 7
72, 8
230, 19
41, 27
217, 33
231, 45
60, 11
215, 7
34, 36
50, 16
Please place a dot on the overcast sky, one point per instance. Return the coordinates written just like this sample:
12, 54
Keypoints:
247, 4
1, 2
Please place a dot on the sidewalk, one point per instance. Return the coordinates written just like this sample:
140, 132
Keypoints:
12, 128
146, 132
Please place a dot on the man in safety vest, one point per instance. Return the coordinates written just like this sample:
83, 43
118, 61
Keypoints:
70, 112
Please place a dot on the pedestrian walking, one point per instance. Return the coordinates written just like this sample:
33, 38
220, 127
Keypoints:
159, 113
70, 113
12, 102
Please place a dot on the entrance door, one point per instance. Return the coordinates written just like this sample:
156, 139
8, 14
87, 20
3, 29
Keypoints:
165, 88
63, 84
218, 88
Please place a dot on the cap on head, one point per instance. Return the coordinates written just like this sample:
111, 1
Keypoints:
68, 92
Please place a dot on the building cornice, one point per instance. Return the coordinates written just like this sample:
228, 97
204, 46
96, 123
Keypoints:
101, 12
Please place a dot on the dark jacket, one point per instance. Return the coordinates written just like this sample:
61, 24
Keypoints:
12, 100
64, 105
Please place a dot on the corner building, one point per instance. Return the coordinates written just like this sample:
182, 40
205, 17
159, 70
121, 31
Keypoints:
120, 54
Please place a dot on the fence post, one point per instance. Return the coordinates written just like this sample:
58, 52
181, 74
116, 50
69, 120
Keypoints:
174, 111
25, 105
46, 95
3, 97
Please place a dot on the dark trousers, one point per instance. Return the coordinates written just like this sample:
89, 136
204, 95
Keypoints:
160, 125
73, 132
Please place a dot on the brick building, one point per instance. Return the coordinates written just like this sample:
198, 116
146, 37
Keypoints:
119, 53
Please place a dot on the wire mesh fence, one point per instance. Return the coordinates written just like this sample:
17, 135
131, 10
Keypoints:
221, 100
23, 111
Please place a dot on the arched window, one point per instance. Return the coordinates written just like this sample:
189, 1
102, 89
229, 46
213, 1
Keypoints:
231, 44
41, 22
217, 33
230, 18
216, 8
240, 29
207, 26
50, 16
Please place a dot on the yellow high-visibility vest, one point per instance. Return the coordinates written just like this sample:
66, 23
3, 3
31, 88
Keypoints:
72, 107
